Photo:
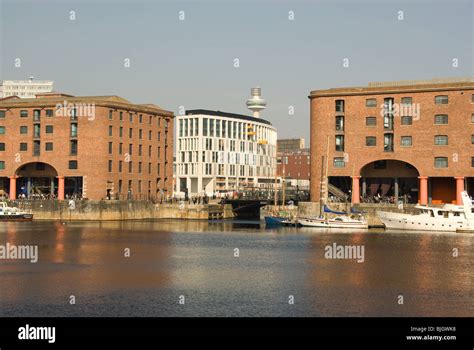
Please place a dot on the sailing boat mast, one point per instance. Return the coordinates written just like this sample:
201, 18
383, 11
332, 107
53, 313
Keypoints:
283, 186
275, 190
324, 180
327, 172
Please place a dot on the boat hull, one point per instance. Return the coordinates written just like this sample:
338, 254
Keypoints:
279, 221
274, 221
16, 217
401, 221
322, 223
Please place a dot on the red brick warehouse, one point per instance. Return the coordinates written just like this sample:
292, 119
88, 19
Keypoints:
409, 138
95, 146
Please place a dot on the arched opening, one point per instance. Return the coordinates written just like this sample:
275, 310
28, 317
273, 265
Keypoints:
388, 181
36, 180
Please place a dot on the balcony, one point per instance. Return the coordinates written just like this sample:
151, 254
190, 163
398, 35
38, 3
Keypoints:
388, 143
36, 148
388, 122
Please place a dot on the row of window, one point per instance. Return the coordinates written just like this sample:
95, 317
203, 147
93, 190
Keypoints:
285, 159
371, 141
131, 118
50, 113
140, 133
439, 119
37, 128
223, 170
139, 185
439, 162
24, 114
26, 87
130, 149
189, 127
404, 120
159, 183
49, 129
439, 140
48, 146
130, 167
72, 165
224, 157
372, 102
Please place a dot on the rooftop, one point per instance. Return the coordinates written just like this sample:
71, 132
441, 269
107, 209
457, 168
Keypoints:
226, 114
401, 86
112, 101
2, 82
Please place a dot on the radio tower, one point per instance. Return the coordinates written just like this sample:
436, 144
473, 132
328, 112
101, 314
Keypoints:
256, 103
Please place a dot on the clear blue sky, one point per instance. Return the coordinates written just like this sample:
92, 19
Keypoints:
190, 62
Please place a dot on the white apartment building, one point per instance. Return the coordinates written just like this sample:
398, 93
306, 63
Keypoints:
25, 88
219, 153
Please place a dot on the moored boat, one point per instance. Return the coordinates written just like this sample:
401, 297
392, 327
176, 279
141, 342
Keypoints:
336, 222
448, 218
13, 214
280, 221
274, 220
342, 220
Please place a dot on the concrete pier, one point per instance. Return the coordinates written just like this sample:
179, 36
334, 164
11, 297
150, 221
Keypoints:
121, 210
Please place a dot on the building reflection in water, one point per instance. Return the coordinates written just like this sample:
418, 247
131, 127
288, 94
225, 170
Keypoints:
86, 259
76, 258
395, 264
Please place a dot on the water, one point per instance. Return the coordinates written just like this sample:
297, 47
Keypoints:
196, 260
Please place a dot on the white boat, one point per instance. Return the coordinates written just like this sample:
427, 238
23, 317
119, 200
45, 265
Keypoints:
13, 214
448, 218
342, 221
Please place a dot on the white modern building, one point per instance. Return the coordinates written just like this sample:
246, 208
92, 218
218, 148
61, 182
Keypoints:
25, 88
218, 153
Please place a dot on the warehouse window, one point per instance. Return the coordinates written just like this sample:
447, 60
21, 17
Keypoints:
441, 140
441, 100
340, 106
441, 119
371, 102
406, 141
73, 147
441, 162
370, 141
370, 121
388, 142
406, 100
339, 162
73, 164
73, 129
407, 120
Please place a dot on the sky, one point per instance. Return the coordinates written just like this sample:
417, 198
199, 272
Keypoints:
288, 48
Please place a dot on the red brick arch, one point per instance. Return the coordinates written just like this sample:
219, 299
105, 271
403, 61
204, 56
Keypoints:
50, 170
387, 173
